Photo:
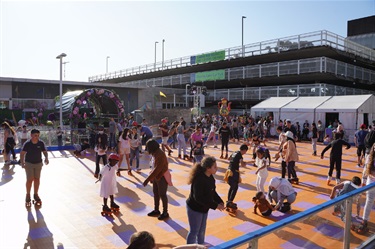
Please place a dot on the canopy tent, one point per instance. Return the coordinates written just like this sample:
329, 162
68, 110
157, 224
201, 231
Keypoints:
102, 101
271, 105
302, 108
352, 110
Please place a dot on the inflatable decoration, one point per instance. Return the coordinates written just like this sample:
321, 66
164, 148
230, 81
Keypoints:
224, 107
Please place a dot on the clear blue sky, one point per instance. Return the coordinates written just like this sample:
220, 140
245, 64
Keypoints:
32, 33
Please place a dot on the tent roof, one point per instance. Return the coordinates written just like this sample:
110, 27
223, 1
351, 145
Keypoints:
305, 104
272, 104
347, 103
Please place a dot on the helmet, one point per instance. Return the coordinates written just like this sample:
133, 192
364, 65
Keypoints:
114, 156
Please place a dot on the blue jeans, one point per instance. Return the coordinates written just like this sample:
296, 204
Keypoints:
134, 153
197, 222
112, 140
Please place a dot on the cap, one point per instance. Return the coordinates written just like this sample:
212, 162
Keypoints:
289, 134
135, 123
114, 156
288, 121
363, 126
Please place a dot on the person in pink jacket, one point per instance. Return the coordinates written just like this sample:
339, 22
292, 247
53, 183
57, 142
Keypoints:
290, 156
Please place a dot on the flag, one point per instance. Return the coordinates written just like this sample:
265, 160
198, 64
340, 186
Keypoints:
162, 94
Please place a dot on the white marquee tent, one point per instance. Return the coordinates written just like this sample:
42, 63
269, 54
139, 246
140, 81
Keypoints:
302, 108
351, 110
271, 105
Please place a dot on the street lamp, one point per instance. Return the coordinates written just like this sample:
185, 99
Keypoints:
61, 56
186, 94
243, 52
162, 54
107, 64
155, 56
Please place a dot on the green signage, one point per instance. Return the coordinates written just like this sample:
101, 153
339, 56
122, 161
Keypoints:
210, 75
214, 56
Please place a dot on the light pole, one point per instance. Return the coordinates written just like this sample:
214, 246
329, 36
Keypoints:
186, 94
243, 52
61, 56
106, 65
155, 56
64, 63
162, 55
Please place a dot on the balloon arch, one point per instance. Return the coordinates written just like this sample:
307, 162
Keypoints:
101, 100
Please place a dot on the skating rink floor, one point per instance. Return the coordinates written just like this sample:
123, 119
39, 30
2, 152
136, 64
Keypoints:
70, 216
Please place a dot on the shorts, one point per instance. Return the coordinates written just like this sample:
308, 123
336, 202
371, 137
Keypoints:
33, 170
125, 151
164, 140
361, 150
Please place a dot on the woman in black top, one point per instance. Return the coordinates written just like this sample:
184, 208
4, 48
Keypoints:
203, 196
314, 137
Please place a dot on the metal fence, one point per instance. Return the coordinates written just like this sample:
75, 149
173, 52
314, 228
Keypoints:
317, 38
314, 216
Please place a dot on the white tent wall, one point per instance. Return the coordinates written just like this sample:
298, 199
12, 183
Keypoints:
350, 109
272, 104
302, 108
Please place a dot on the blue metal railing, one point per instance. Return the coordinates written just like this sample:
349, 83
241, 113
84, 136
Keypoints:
253, 237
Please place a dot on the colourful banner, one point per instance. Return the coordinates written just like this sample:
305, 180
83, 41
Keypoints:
210, 76
209, 57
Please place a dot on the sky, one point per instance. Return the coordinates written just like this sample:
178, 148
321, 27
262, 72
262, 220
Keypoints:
33, 33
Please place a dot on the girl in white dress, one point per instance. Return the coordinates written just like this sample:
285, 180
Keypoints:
262, 171
108, 186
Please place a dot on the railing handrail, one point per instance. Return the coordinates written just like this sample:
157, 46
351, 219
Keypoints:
290, 220
326, 38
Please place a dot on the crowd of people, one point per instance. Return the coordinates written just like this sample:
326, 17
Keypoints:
126, 141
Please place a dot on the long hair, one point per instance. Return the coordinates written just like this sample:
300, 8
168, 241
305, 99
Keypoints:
205, 164
7, 126
125, 133
370, 165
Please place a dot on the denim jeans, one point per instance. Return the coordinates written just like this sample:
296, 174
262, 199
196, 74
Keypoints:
197, 223
134, 153
370, 197
181, 144
112, 140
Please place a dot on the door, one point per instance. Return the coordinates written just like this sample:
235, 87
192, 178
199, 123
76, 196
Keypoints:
331, 117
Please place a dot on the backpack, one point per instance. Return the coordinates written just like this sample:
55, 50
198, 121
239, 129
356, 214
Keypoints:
369, 140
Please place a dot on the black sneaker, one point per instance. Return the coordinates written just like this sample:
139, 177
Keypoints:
163, 216
154, 213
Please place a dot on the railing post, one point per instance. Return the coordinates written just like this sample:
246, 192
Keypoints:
348, 222
243, 72
228, 74
299, 41
298, 66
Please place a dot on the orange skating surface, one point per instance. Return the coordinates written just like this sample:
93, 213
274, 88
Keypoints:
70, 216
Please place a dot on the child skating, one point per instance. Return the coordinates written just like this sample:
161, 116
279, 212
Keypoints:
262, 171
232, 175
197, 152
108, 186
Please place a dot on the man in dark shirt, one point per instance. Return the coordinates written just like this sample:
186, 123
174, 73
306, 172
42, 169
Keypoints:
290, 127
335, 157
359, 142
224, 133
233, 174
31, 160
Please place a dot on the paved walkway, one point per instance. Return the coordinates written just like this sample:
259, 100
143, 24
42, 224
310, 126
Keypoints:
70, 216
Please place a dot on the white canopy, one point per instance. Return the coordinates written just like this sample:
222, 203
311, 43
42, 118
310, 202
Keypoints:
302, 108
350, 110
273, 104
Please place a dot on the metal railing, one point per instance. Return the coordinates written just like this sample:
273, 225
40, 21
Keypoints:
317, 38
294, 67
254, 239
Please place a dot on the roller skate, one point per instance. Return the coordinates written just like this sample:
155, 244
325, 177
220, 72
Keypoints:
360, 228
37, 201
28, 201
294, 180
186, 157
231, 208
114, 207
106, 211
226, 156
329, 180
221, 156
